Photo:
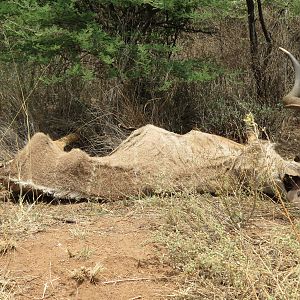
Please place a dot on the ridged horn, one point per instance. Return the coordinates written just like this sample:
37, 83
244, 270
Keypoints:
292, 99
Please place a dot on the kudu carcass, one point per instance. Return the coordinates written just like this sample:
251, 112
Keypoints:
154, 160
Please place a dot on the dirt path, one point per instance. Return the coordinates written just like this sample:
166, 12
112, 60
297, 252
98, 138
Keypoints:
58, 262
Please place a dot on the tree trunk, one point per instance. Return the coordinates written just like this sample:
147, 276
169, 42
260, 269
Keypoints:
259, 59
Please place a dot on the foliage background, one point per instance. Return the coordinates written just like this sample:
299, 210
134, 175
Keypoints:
102, 67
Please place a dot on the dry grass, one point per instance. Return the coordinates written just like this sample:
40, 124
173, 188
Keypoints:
6, 246
25, 218
85, 273
19, 220
227, 247
7, 286
223, 249
78, 232
84, 253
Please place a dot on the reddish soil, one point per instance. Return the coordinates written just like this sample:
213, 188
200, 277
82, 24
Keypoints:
122, 243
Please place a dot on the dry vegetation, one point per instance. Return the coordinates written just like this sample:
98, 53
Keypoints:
197, 246
232, 248
102, 109
81, 251
182, 246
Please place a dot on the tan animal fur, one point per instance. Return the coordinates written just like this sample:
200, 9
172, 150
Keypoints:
154, 160
151, 159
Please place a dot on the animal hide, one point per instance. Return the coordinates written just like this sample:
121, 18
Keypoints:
150, 160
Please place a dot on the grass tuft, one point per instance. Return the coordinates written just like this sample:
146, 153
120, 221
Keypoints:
6, 287
7, 246
84, 273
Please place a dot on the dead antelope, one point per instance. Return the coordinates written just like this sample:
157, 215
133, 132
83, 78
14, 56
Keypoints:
153, 160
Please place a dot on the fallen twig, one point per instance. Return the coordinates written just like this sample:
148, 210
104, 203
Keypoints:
65, 220
129, 279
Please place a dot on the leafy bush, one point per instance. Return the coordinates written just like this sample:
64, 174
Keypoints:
95, 65
105, 38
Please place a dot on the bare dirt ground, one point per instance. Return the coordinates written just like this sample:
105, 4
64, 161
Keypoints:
82, 251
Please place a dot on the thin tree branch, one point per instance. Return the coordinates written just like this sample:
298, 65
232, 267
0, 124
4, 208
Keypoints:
262, 23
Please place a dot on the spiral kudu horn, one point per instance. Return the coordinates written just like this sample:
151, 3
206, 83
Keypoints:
292, 99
